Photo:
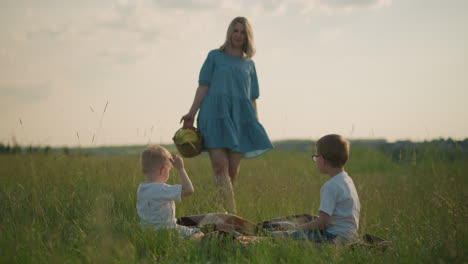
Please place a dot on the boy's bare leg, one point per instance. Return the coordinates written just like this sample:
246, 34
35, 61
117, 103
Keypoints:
220, 164
197, 236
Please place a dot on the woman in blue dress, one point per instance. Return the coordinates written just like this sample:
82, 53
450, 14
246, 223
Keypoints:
226, 100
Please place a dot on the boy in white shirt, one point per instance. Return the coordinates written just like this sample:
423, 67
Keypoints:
155, 199
339, 210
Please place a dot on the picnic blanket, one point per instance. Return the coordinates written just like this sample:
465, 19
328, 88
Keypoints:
229, 225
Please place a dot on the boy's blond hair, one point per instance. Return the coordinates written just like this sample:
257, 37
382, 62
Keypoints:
333, 148
153, 157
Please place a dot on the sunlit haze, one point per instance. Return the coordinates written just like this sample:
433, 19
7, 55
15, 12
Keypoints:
377, 69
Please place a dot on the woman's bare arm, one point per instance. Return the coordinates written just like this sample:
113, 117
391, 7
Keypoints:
189, 118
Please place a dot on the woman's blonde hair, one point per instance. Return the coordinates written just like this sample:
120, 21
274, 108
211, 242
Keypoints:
249, 48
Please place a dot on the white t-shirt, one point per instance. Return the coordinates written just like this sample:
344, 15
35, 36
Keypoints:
339, 199
155, 204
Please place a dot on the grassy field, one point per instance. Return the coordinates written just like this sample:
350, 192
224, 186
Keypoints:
81, 209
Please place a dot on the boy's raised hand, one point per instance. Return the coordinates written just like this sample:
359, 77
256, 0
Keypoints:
177, 162
187, 187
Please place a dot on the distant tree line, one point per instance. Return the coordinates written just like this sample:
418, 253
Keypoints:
400, 151
439, 149
17, 149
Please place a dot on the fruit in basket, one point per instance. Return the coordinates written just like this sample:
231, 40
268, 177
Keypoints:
186, 136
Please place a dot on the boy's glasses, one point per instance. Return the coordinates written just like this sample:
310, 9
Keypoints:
315, 157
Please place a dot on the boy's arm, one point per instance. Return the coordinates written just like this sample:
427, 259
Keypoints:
187, 187
320, 223
327, 204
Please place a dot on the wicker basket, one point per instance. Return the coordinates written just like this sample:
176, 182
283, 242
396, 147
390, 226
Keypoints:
188, 150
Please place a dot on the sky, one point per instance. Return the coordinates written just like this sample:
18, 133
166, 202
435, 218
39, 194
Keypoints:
116, 72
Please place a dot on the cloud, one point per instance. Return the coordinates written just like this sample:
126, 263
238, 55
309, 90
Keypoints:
122, 55
139, 18
353, 3
7, 56
153, 19
329, 35
273, 7
25, 93
342, 6
267, 6
188, 4
53, 31
127, 29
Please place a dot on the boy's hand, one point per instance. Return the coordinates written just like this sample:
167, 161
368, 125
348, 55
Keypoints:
177, 162
187, 187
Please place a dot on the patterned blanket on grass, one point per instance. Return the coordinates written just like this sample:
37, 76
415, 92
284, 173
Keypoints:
247, 232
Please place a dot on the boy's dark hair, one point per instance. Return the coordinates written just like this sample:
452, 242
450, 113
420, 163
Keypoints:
334, 148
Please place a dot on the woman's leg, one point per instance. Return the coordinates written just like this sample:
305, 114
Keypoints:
220, 163
234, 164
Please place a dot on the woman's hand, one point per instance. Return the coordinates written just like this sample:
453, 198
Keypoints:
188, 120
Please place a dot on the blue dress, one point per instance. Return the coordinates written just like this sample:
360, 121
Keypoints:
227, 116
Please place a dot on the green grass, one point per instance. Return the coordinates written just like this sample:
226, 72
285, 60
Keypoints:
81, 209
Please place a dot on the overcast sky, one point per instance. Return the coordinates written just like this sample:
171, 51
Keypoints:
388, 69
